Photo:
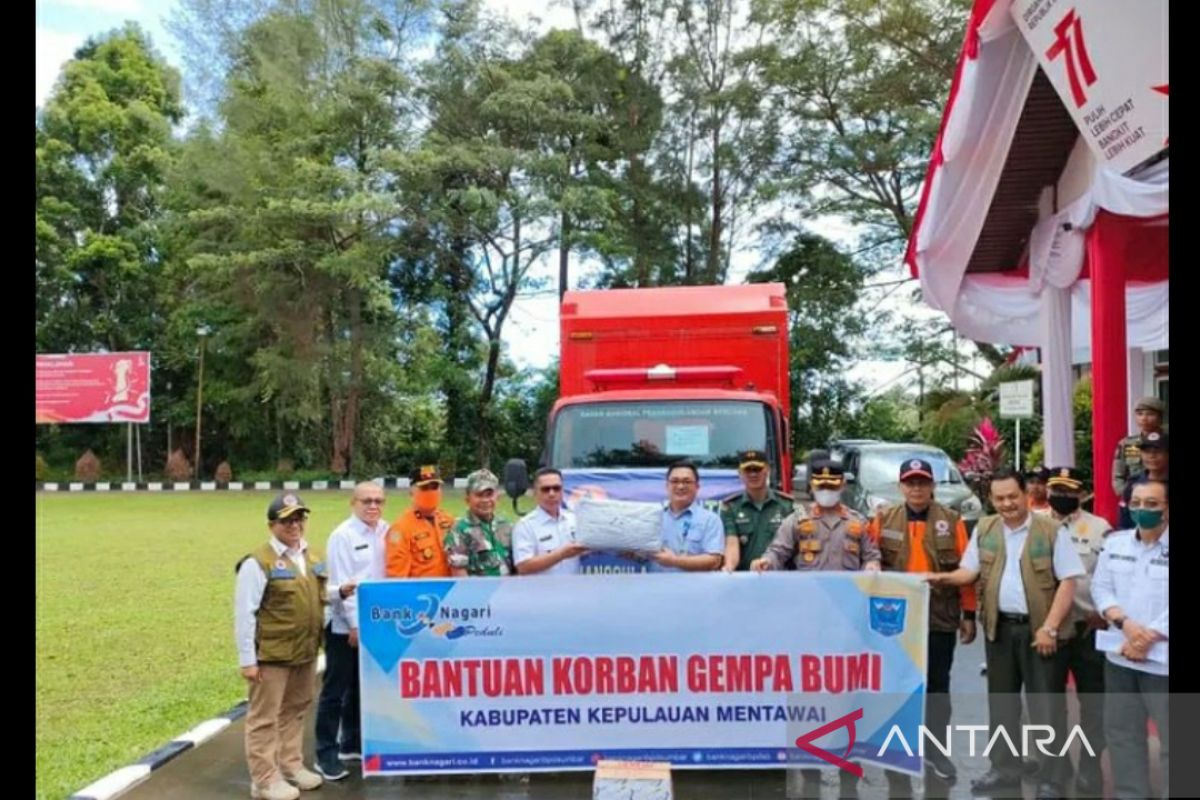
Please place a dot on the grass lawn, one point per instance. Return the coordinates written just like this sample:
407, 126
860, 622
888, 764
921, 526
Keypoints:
135, 618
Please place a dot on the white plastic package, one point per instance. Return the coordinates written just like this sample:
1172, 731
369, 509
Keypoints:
618, 525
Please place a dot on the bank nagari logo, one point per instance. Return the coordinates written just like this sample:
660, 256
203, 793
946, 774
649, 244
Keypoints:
887, 615
431, 615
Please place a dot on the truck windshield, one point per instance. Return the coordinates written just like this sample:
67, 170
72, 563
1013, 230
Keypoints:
655, 433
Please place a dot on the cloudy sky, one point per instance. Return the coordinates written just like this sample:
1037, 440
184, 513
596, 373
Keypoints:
532, 332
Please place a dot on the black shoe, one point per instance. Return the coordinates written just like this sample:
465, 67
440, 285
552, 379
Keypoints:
332, 769
939, 764
993, 781
1048, 791
1030, 767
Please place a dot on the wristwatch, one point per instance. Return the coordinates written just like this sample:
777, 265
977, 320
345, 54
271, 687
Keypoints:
1119, 623
1051, 632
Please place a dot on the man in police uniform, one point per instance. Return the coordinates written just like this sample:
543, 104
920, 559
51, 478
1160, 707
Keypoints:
480, 543
1084, 662
414, 542
822, 536
752, 516
1132, 590
921, 536
1026, 572
279, 611
1127, 462
1155, 455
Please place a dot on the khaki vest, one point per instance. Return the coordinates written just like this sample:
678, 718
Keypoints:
941, 550
291, 615
1037, 571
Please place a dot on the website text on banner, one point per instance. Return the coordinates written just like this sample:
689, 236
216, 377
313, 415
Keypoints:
701, 670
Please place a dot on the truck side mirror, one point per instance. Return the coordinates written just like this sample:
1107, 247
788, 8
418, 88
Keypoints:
516, 479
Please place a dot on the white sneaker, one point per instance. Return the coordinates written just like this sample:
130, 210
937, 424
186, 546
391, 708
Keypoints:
305, 779
279, 790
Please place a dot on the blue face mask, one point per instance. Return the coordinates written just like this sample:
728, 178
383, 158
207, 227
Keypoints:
1146, 518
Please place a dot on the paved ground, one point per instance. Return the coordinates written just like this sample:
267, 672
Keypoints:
217, 769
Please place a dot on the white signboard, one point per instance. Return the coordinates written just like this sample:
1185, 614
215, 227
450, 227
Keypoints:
1016, 400
1108, 62
687, 440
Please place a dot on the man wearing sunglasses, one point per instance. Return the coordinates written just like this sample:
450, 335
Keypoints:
752, 516
278, 615
414, 542
354, 554
544, 540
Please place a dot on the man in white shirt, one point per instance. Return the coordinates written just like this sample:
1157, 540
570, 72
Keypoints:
278, 609
1131, 588
544, 540
1027, 568
354, 553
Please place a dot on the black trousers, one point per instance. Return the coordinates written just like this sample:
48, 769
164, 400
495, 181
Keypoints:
1012, 665
1086, 664
338, 706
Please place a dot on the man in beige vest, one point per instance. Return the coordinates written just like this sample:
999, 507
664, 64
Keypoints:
278, 617
1084, 662
1026, 573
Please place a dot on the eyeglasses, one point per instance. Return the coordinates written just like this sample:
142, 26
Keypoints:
372, 501
754, 470
549, 489
294, 519
682, 481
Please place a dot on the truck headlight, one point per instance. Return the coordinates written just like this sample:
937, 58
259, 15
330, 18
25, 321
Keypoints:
971, 508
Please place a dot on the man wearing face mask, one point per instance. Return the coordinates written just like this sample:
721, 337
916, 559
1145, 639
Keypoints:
1132, 589
414, 542
919, 536
822, 536
1154, 453
1084, 662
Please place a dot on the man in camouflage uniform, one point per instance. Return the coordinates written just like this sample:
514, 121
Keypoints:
480, 544
823, 536
1127, 461
752, 516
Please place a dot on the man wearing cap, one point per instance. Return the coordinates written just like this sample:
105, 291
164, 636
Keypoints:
480, 543
1027, 573
414, 542
921, 536
751, 517
1154, 454
822, 536
1084, 662
1035, 486
354, 553
1127, 463
278, 615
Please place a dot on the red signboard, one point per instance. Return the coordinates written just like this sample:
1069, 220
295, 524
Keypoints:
93, 387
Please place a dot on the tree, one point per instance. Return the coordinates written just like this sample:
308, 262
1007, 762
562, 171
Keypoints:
822, 288
289, 217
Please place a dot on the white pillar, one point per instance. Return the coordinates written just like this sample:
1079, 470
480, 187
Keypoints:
1058, 420
1137, 382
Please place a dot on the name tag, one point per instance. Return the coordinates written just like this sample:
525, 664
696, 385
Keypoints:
546, 538
282, 574
362, 547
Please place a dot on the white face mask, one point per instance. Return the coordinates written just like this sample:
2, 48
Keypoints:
827, 498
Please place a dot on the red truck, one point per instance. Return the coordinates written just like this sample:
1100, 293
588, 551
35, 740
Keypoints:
649, 376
